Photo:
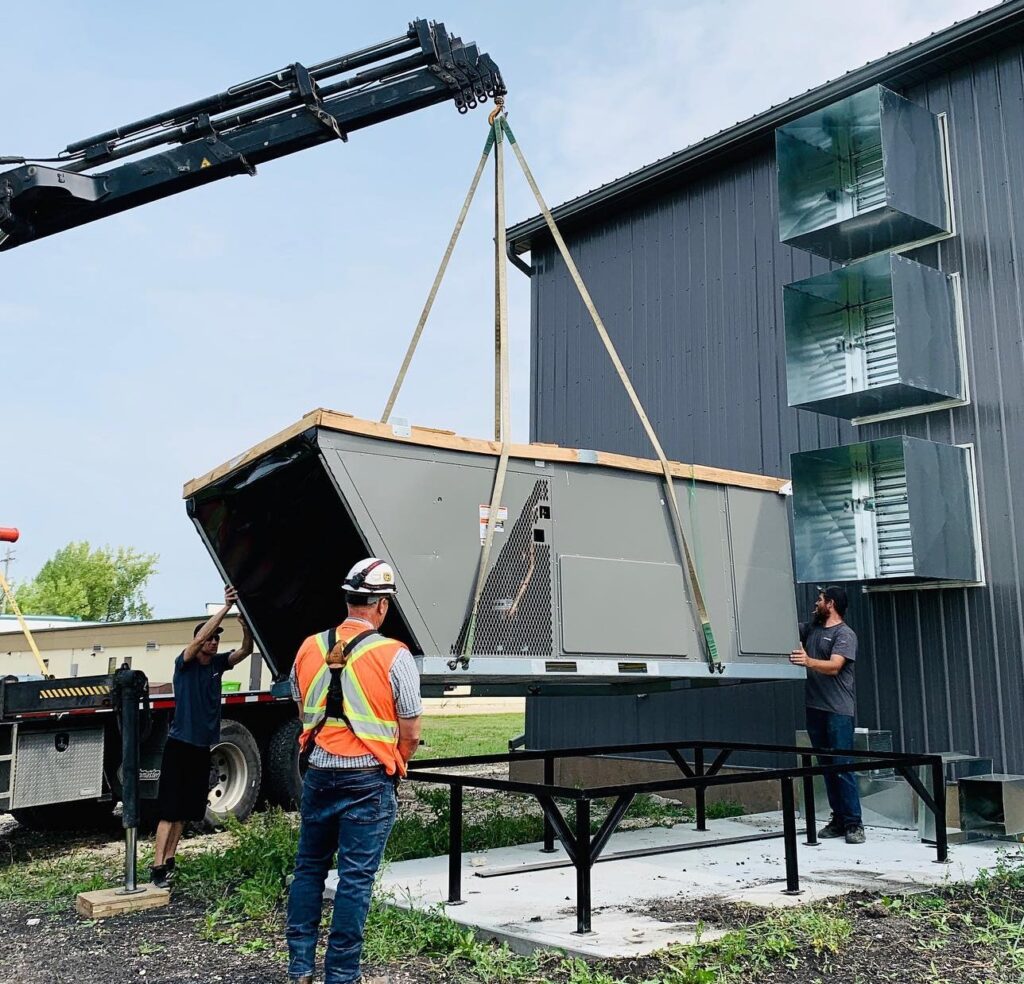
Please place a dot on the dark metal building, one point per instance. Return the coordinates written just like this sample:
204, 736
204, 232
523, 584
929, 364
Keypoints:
684, 260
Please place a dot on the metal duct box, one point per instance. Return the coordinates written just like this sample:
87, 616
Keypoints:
894, 509
874, 336
861, 176
579, 533
886, 801
992, 804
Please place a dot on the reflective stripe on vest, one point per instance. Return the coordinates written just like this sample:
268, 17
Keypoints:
365, 724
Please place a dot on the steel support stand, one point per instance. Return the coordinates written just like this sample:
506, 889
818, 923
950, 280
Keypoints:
700, 792
455, 846
939, 797
583, 866
810, 821
549, 831
789, 838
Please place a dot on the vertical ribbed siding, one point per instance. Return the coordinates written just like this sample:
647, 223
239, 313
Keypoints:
689, 285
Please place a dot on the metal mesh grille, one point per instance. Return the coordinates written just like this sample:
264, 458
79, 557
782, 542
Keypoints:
515, 607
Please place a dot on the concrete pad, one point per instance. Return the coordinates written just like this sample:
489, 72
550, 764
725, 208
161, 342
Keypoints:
536, 909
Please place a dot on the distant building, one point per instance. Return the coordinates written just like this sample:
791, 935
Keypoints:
73, 649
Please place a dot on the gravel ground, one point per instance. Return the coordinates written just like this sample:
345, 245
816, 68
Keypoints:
48, 942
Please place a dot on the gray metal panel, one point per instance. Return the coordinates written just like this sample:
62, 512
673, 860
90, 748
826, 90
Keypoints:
913, 167
689, 282
766, 602
943, 541
420, 507
58, 766
926, 325
590, 585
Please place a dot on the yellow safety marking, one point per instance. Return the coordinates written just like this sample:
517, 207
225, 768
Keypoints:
204, 163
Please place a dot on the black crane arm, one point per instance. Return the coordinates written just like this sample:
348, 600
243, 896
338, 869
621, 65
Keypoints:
233, 131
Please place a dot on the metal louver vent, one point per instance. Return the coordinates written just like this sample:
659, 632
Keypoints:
868, 176
894, 509
881, 365
891, 507
861, 176
514, 618
872, 337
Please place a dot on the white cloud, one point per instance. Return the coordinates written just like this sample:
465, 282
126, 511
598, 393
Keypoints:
670, 74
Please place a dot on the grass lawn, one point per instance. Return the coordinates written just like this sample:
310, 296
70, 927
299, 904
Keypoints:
468, 734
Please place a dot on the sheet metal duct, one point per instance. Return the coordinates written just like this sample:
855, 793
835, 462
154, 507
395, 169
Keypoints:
874, 336
584, 583
861, 176
898, 508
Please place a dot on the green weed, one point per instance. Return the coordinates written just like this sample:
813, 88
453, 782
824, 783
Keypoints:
248, 877
53, 879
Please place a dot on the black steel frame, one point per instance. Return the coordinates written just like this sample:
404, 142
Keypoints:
697, 773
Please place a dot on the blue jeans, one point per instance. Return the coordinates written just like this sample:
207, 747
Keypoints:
350, 813
828, 730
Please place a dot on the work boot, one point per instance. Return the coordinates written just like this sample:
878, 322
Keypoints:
855, 834
159, 876
832, 829
169, 865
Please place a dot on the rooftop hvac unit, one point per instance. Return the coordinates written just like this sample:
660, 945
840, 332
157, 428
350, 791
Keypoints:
872, 337
583, 538
861, 176
895, 509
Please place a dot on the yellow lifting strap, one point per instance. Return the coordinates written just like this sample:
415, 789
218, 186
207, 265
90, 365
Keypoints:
499, 128
711, 649
9, 595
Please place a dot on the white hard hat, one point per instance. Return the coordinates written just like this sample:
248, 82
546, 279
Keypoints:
372, 576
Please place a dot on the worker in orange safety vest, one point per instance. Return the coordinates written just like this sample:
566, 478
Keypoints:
359, 701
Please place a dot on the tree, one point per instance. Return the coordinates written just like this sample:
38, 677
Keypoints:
100, 585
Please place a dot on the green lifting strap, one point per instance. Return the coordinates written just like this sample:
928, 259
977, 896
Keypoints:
711, 649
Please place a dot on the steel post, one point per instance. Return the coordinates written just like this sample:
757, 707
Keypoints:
583, 866
549, 831
939, 796
810, 820
455, 846
700, 792
789, 838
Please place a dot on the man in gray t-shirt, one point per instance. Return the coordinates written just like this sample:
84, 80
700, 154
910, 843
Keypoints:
828, 650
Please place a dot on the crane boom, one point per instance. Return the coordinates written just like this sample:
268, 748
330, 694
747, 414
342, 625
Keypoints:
233, 131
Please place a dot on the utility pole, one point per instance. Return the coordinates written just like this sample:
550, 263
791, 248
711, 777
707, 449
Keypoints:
8, 557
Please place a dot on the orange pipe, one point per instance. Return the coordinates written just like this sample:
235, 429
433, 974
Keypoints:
8, 534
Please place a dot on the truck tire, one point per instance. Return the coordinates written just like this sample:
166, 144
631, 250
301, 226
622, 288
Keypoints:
235, 774
283, 784
91, 815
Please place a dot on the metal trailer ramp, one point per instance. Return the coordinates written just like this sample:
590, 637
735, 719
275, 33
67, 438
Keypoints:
583, 535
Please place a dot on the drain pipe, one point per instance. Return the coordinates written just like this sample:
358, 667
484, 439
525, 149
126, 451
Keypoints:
513, 258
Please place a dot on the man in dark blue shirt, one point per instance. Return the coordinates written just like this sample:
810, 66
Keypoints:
185, 770
828, 650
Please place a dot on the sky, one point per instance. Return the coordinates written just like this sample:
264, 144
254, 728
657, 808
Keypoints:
147, 348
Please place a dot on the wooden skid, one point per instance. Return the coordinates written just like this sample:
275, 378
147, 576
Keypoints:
107, 902
431, 437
